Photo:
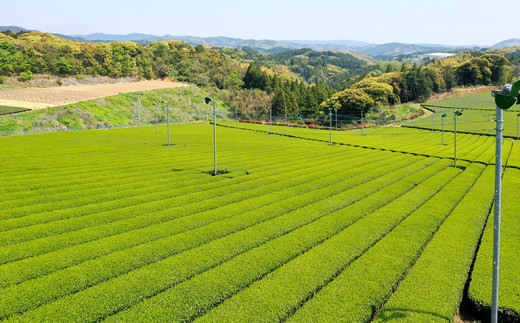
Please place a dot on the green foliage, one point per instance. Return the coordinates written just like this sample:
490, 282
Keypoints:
349, 102
36, 52
298, 99
26, 76
330, 68
381, 93
486, 69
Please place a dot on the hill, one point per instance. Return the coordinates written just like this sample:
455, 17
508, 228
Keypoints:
14, 29
507, 43
360, 47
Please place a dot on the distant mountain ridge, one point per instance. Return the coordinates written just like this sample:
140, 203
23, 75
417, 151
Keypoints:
14, 29
359, 47
507, 43
275, 46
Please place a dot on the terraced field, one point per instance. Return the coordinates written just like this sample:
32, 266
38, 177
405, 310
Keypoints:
112, 225
478, 111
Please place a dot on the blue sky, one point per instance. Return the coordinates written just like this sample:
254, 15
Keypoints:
450, 22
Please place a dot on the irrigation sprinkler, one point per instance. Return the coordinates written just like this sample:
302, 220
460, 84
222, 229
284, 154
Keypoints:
208, 100
156, 117
270, 120
504, 99
139, 108
456, 113
444, 115
168, 118
330, 123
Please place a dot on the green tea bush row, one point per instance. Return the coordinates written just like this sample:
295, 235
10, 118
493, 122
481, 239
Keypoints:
164, 273
333, 239
149, 228
432, 290
78, 218
362, 287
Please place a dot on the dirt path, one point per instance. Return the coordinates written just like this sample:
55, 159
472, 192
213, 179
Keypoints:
41, 98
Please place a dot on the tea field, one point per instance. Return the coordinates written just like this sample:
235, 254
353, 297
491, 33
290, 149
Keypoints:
114, 225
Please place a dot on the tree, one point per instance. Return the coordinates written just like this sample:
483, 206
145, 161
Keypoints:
381, 93
348, 102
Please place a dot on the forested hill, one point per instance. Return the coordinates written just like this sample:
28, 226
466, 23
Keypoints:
314, 67
296, 81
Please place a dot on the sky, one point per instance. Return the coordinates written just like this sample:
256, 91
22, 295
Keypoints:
447, 22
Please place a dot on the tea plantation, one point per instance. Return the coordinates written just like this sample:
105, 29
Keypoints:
114, 225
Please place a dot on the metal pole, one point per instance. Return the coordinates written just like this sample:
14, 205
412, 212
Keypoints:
455, 138
496, 225
442, 120
168, 118
215, 133
156, 117
330, 128
433, 113
271, 120
236, 113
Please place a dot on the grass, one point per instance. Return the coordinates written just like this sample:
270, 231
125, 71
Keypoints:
186, 105
117, 226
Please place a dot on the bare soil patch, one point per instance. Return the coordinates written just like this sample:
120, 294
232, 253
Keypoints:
40, 98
